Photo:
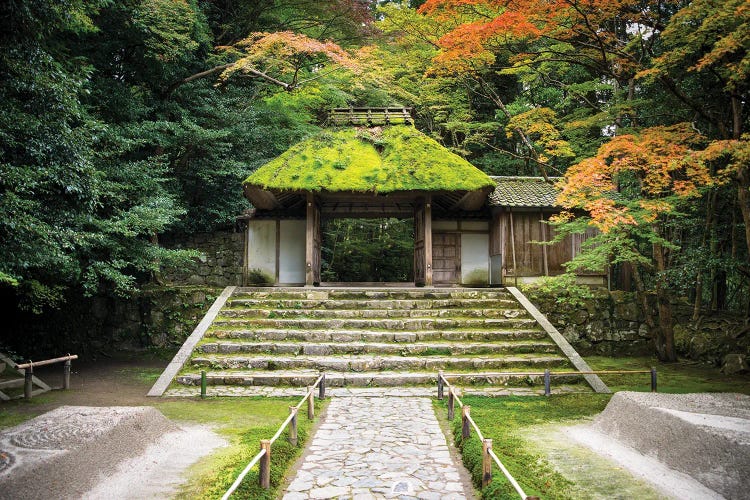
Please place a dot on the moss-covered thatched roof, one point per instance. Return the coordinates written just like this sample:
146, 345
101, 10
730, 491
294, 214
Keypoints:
369, 160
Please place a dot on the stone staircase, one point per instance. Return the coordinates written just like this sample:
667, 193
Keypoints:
370, 337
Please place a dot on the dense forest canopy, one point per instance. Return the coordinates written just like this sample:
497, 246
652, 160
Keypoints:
122, 121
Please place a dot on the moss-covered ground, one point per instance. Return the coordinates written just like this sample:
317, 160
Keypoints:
510, 420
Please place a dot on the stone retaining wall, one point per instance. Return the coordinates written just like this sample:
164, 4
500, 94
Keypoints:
611, 323
220, 264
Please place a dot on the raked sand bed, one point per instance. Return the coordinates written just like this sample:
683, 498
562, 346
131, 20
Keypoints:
99, 452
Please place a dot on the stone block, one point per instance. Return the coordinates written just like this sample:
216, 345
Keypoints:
734, 363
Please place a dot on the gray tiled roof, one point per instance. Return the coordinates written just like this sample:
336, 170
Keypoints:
523, 192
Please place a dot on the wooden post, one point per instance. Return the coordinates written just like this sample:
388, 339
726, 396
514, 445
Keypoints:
486, 462
547, 382
310, 405
428, 241
322, 387
451, 405
544, 247
293, 426
653, 379
66, 375
264, 474
204, 383
310, 241
440, 384
513, 246
28, 385
465, 425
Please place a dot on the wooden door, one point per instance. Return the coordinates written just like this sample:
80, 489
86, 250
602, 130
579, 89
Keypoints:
446, 258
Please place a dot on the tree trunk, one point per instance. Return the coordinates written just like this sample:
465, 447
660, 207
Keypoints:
643, 299
665, 333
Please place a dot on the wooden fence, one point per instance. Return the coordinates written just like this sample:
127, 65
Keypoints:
28, 369
467, 423
264, 455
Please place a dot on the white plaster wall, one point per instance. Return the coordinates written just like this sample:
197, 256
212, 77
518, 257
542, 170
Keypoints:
475, 259
292, 252
261, 246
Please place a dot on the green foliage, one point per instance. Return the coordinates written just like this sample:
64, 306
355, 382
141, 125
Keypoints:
367, 250
397, 158
563, 288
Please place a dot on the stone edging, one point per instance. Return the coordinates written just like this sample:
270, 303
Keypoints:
594, 381
186, 350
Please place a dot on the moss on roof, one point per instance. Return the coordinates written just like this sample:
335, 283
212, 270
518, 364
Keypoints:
380, 160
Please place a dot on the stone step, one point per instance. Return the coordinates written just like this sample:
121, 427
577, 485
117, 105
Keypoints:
247, 313
304, 378
404, 337
391, 304
378, 324
345, 363
370, 293
412, 349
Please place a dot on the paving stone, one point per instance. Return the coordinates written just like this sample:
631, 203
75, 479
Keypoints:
371, 448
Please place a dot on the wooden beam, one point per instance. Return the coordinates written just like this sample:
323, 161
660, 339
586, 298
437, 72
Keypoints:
544, 247
309, 241
428, 240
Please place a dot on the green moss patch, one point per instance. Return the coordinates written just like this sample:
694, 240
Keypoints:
395, 158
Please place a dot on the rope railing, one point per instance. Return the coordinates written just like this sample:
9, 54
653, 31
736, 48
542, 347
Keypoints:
264, 476
466, 424
548, 375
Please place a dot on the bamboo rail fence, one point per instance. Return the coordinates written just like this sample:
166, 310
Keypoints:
467, 422
264, 455
28, 369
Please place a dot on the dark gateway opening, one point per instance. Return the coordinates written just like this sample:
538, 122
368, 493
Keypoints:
367, 250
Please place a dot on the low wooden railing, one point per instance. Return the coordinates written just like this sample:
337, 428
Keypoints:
264, 455
466, 424
548, 375
28, 368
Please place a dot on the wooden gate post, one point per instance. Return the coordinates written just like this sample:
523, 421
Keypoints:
322, 387
465, 425
293, 426
28, 376
264, 472
486, 462
66, 375
440, 384
310, 404
451, 405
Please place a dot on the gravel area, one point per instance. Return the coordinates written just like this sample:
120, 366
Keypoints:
67, 452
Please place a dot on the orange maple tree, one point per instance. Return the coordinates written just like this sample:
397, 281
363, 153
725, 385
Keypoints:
629, 190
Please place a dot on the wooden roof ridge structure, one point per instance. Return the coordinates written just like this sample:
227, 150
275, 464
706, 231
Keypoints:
370, 116
368, 165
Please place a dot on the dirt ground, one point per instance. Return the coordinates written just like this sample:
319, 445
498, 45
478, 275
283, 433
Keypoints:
123, 380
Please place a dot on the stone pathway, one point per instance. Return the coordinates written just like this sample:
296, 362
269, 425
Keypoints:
373, 448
